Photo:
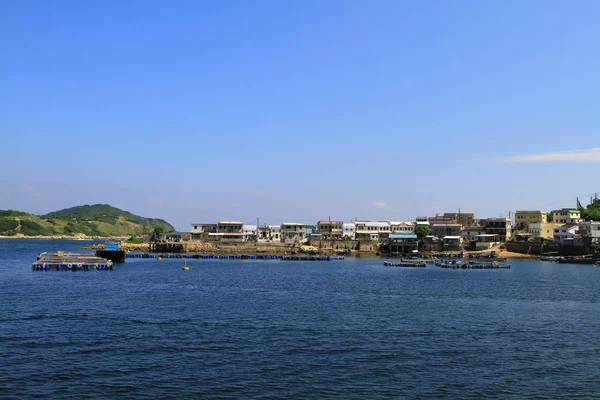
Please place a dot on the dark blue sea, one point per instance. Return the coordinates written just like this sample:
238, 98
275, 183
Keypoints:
350, 329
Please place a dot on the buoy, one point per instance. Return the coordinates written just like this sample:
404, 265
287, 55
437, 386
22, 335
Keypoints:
159, 258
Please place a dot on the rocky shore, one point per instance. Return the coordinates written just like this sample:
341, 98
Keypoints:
64, 237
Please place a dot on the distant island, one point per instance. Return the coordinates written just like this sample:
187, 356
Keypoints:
99, 220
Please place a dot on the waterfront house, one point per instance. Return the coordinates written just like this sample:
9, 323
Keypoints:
402, 227
590, 229
330, 229
451, 243
431, 243
446, 229
543, 229
271, 233
486, 241
349, 231
566, 216
498, 226
523, 219
250, 233
401, 243
230, 231
201, 231
292, 232
470, 233
566, 233
368, 230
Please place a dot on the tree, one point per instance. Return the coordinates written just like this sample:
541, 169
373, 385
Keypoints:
422, 230
158, 230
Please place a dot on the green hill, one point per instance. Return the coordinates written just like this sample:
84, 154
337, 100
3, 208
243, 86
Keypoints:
96, 220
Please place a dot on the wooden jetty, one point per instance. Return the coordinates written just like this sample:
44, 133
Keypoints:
67, 261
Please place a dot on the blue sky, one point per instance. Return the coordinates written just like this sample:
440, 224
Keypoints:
299, 110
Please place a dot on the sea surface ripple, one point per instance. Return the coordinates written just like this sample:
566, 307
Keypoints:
350, 329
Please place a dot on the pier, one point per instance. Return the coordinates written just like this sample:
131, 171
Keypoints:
63, 261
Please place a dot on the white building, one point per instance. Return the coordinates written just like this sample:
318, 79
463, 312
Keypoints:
566, 232
368, 230
250, 233
230, 231
400, 227
201, 231
271, 233
349, 231
590, 229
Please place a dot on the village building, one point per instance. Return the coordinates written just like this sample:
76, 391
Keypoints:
523, 219
565, 234
498, 226
201, 231
469, 234
271, 233
566, 216
590, 229
447, 229
330, 229
230, 231
292, 232
250, 233
543, 229
349, 231
402, 227
368, 230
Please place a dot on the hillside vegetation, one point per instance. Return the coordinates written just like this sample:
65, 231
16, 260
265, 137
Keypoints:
96, 220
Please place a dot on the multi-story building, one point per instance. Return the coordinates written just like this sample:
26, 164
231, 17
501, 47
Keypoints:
470, 233
402, 227
498, 226
566, 233
590, 229
368, 230
271, 233
349, 231
566, 216
543, 230
448, 229
330, 229
202, 231
250, 233
524, 218
292, 232
230, 231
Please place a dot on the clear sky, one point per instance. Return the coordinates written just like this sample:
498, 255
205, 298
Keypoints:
299, 110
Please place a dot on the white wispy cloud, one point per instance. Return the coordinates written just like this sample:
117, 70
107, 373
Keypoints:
589, 155
380, 205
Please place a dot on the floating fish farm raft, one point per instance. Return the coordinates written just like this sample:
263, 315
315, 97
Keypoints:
236, 257
63, 261
405, 264
471, 265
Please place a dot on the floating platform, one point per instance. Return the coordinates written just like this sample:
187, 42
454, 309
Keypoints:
235, 257
471, 265
65, 261
405, 264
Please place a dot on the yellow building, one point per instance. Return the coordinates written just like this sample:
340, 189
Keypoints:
524, 218
566, 216
545, 230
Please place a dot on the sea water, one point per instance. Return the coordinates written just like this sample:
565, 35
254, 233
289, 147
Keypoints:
303, 330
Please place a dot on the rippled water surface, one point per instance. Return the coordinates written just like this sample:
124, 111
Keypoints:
312, 330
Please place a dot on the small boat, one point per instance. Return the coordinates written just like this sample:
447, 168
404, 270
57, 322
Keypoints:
159, 258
